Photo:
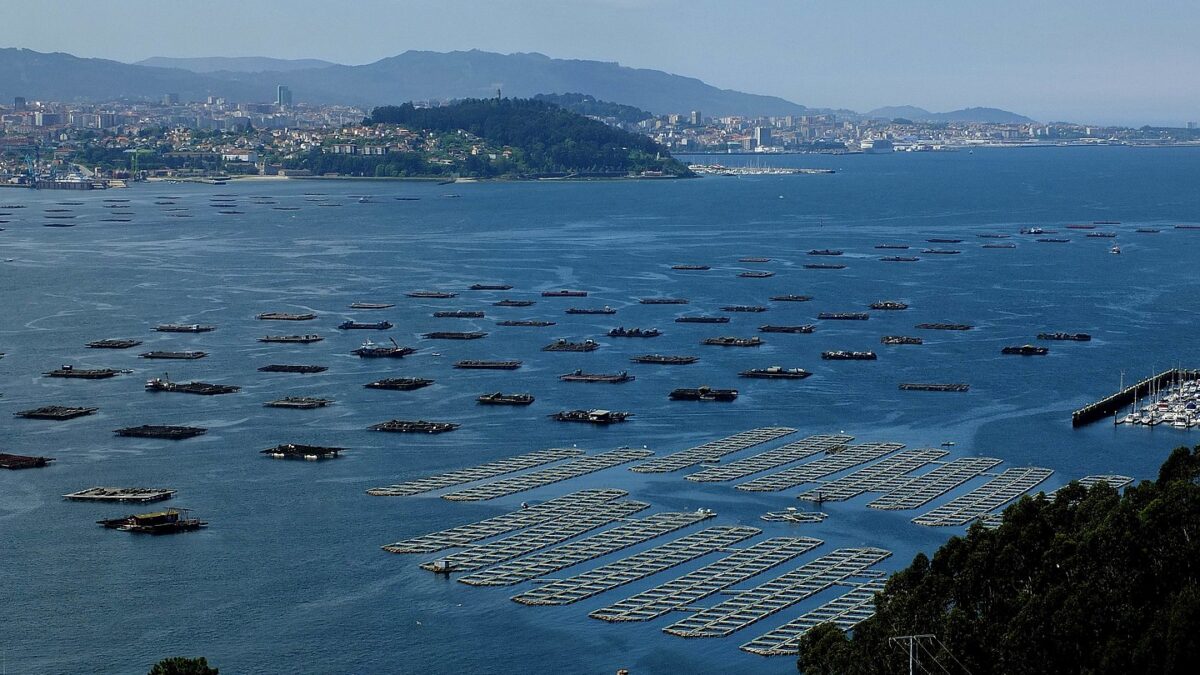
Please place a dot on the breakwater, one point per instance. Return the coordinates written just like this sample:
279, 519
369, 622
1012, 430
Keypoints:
1111, 404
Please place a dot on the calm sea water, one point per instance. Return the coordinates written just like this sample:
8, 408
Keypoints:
289, 577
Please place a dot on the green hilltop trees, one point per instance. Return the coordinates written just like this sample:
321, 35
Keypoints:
1091, 582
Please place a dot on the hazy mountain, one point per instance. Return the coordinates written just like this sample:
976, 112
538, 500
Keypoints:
233, 64
62, 77
989, 115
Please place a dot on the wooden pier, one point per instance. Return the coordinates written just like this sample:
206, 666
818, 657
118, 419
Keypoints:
1112, 404
845, 612
878, 477
785, 454
851, 456
536, 538
515, 520
701, 583
609, 541
572, 469
929, 486
713, 450
475, 473
1009, 485
637, 566
755, 604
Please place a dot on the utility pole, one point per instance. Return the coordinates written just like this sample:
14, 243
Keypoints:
916, 643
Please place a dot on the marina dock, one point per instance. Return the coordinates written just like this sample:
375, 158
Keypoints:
1111, 405
712, 450
475, 473
638, 566
701, 583
572, 469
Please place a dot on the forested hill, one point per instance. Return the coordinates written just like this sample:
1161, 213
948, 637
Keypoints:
543, 138
1091, 582
585, 104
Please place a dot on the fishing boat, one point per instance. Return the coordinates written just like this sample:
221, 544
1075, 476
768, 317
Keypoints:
621, 331
168, 432
487, 365
500, 398
769, 328
901, 340
613, 378
370, 350
83, 373
594, 416
371, 305
113, 343
775, 373
310, 453
202, 388
528, 323
284, 316
359, 325
1026, 350
665, 360
414, 426
725, 341
702, 319
1115, 250
702, 393
55, 412
299, 402
562, 345
454, 335
170, 521
295, 339
288, 368
183, 328
848, 356
399, 383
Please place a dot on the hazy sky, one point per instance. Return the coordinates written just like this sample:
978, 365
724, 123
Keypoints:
1114, 61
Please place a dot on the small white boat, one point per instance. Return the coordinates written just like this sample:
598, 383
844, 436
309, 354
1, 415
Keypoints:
1115, 250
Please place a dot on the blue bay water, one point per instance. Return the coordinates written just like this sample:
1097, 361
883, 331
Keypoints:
289, 577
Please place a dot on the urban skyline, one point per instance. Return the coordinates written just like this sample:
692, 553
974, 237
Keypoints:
1102, 62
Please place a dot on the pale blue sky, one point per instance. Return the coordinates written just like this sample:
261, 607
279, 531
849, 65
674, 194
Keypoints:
1088, 60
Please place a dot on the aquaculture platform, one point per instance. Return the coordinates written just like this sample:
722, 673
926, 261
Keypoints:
112, 494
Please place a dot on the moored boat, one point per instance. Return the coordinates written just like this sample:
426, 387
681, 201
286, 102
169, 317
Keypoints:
454, 335
702, 319
1077, 337
399, 383
848, 356
769, 328
490, 287
500, 398
68, 371
756, 275
743, 308
289, 368
310, 453
371, 305
458, 314
169, 521
608, 378
891, 305
487, 365
169, 432
663, 359
370, 350
297, 339
621, 331
15, 462
691, 268
901, 340
513, 303
791, 298
299, 402
1026, 350
179, 356
591, 310
725, 341
360, 325
431, 294
823, 266
201, 388
284, 316
562, 345
944, 326
594, 416
55, 412
414, 426
843, 316
564, 294
775, 373
183, 328
663, 301
702, 393
113, 343
825, 251
528, 323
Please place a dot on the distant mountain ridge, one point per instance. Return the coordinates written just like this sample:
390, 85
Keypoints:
233, 64
984, 115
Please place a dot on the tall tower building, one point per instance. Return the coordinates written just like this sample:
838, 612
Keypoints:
283, 96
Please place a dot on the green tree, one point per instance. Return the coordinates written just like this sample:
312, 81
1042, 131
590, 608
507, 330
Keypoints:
182, 665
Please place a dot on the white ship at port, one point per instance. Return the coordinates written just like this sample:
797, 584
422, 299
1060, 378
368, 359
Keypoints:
1176, 405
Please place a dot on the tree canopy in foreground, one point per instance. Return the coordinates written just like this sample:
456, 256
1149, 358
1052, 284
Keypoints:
1091, 582
182, 665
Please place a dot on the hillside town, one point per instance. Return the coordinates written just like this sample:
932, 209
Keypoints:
64, 142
